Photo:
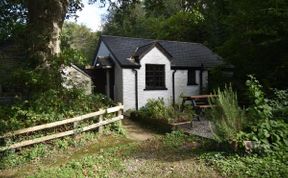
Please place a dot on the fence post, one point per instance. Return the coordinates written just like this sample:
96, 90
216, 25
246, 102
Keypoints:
100, 129
75, 126
119, 113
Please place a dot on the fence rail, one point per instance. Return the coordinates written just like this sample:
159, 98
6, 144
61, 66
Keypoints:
101, 122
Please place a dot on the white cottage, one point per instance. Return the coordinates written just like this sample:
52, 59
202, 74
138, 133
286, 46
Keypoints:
133, 70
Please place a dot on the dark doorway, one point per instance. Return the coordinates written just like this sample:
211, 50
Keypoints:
99, 80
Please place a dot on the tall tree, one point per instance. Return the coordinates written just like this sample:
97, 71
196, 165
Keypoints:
44, 20
257, 40
79, 38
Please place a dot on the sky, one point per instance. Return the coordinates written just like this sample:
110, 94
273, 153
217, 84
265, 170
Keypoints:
90, 15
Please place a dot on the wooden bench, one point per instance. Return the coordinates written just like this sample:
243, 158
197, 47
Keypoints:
199, 103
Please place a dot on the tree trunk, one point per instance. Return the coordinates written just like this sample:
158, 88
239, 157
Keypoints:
45, 20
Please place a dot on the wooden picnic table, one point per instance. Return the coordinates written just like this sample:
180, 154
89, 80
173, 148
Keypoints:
199, 103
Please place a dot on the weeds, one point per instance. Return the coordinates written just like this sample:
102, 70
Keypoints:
11, 159
227, 116
234, 165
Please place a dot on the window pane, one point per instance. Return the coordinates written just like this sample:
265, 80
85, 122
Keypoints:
155, 76
191, 77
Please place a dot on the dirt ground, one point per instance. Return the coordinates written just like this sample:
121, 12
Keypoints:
137, 133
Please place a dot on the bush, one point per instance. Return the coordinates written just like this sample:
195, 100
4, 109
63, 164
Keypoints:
155, 109
270, 135
260, 109
227, 117
50, 106
267, 130
279, 104
156, 115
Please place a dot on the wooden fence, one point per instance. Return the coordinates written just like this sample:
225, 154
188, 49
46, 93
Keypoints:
101, 122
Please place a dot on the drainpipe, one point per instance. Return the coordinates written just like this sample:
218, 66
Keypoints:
201, 78
136, 88
173, 86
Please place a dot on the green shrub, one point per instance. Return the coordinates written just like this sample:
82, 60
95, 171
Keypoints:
279, 104
226, 116
155, 109
270, 136
49, 106
260, 108
267, 130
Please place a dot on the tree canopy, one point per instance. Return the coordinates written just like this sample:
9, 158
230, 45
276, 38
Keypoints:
251, 35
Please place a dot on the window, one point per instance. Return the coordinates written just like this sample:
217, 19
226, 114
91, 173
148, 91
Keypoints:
155, 77
191, 77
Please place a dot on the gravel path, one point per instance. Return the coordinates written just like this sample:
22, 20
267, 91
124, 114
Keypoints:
200, 128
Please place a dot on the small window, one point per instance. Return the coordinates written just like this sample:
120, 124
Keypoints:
191, 77
155, 77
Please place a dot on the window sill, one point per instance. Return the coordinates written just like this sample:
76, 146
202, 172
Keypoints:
192, 84
148, 89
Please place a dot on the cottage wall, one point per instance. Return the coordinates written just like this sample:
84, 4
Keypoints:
129, 98
155, 56
181, 87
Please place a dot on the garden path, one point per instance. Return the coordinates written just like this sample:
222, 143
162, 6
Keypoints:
200, 128
136, 132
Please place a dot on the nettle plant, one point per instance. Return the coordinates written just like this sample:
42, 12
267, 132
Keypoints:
269, 133
260, 108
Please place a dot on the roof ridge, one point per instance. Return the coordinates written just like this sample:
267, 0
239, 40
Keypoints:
154, 40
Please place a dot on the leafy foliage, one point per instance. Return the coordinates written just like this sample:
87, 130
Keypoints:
260, 109
12, 19
40, 151
50, 106
156, 109
80, 39
250, 35
234, 165
269, 136
279, 104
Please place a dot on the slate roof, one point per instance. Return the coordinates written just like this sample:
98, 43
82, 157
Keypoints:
184, 54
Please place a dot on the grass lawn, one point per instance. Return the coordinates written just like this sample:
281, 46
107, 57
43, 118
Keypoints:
117, 156
172, 155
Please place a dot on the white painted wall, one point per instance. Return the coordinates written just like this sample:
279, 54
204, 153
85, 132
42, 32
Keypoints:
205, 79
181, 87
155, 56
129, 98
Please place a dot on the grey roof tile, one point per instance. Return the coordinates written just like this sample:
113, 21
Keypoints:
184, 54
